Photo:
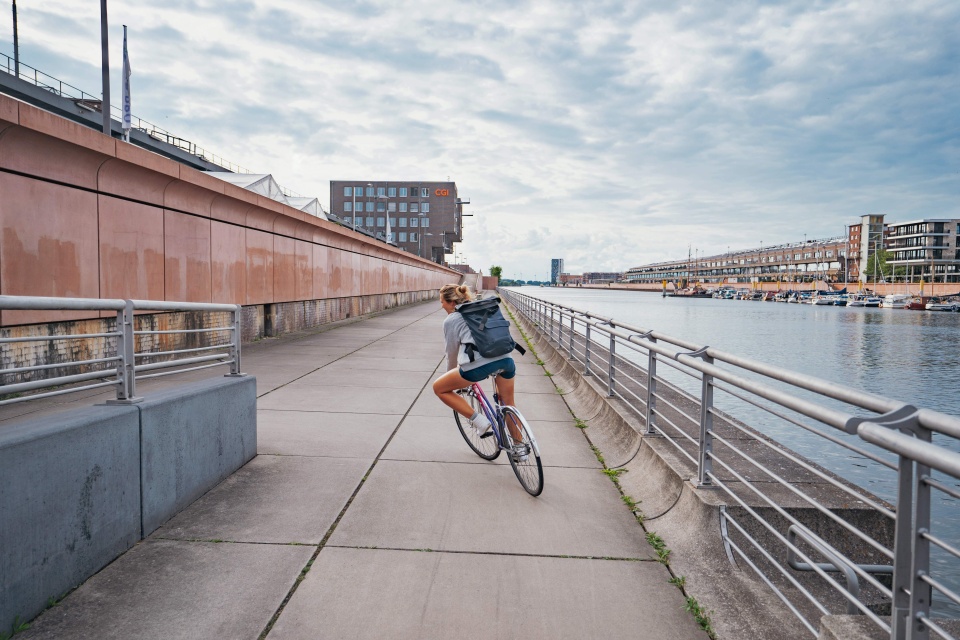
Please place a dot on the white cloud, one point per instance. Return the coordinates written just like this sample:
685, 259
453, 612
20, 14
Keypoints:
602, 132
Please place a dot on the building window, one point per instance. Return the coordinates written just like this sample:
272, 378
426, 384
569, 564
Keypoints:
348, 207
392, 192
413, 192
391, 206
358, 191
369, 221
403, 192
403, 207
425, 222
414, 207
402, 222
381, 191
347, 191
424, 192
413, 237
381, 207
369, 192
369, 207
379, 221
414, 222
425, 207
403, 235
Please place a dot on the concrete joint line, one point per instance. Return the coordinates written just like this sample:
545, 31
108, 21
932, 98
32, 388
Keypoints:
333, 527
497, 553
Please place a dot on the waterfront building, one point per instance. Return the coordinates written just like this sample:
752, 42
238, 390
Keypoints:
601, 277
927, 249
569, 279
425, 218
556, 268
796, 262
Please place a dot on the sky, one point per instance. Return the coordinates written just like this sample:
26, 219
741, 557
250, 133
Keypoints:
607, 133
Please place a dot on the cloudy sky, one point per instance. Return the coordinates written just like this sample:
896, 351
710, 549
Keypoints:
610, 134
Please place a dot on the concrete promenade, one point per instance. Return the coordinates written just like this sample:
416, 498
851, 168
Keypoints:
365, 515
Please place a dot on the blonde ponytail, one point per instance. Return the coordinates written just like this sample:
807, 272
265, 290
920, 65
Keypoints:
457, 294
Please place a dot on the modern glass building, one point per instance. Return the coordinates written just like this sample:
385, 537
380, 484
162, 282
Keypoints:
556, 268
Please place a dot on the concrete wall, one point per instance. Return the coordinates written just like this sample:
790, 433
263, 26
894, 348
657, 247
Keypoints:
85, 215
79, 489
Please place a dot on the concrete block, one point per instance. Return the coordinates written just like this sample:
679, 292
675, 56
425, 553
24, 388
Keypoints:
192, 438
69, 503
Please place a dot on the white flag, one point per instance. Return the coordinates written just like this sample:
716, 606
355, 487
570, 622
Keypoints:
127, 120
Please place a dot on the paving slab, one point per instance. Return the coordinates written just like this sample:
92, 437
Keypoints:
483, 508
538, 406
437, 439
342, 376
323, 434
178, 590
275, 499
356, 399
470, 596
386, 365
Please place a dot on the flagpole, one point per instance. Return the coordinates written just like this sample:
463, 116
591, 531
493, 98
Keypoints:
126, 121
16, 42
105, 67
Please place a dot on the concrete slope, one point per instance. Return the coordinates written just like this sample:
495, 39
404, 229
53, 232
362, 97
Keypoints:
365, 515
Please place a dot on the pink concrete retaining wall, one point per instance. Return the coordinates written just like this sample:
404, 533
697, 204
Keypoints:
85, 215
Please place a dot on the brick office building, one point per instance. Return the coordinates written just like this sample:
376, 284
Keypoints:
426, 218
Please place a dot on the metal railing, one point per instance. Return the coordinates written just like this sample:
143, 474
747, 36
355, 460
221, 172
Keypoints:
125, 353
822, 543
91, 102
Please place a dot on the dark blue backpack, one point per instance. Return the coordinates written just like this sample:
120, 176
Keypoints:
489, 329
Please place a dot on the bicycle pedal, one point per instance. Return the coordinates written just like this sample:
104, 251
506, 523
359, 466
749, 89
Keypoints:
487, 434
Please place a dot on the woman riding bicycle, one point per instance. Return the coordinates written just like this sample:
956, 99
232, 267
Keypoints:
461, 371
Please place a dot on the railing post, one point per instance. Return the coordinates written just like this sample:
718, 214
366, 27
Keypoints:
611, 378
705, 466
586, 360
920, 591
127, 392
551, 324
559, 329
570, 348
123, 389
651, 415
235, 346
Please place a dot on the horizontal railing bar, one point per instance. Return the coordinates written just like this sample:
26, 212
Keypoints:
170, 373
49, 394
178, 363
942, 487
683, 393
816, 505
942, 588
836, 483
823, 434
165, 305
693, 421
155, 333
56, 382
923, 452
43, 303
79, 336
60, 365
672, 440
154, 354
946, 546
930, 624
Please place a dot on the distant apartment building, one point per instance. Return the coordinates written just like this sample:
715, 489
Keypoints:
927, 249
601, 277
425, 218
556, 268
568, 279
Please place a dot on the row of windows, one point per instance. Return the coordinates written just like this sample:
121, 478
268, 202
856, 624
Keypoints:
381, 207
388, 192
394, 222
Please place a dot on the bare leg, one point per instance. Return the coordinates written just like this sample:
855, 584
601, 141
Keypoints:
505, 388
445, 387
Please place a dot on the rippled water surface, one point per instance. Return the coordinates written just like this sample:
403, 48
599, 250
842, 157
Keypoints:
913, 356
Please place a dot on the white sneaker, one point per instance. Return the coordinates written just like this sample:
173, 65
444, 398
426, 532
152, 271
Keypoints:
481, 425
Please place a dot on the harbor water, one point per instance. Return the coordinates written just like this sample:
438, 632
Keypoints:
913, 356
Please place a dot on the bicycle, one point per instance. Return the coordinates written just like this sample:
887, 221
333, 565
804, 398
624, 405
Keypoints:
509, 425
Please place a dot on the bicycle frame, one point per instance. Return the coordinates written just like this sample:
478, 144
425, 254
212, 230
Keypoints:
495, 416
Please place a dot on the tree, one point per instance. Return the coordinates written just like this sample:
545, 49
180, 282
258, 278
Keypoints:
877, 263
495, 271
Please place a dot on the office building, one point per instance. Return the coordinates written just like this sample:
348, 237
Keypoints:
425, 217
927, 249
556, 268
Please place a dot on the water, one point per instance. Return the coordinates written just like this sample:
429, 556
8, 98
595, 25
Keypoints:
913, 356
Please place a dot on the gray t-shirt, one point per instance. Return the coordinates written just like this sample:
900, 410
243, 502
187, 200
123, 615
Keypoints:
456, 333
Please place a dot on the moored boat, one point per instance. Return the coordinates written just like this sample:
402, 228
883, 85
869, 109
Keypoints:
896, 300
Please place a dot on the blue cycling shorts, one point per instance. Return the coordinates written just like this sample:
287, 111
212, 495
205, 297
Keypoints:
504, 367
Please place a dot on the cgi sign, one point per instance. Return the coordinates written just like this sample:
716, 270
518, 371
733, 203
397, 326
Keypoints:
442, 192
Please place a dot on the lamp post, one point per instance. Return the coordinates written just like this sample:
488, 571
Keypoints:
353, 189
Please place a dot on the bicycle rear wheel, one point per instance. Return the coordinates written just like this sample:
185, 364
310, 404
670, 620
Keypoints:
487, 448
524, 455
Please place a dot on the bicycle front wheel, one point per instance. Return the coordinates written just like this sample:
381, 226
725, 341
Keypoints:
523, 452
487, 448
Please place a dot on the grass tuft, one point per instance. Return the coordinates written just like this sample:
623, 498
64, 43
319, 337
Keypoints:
580, 424
700, 615
663, 554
